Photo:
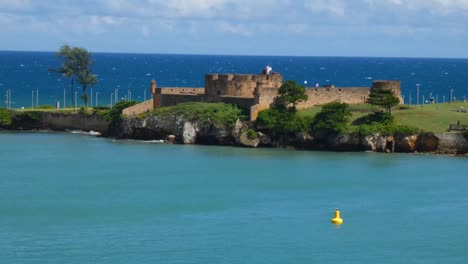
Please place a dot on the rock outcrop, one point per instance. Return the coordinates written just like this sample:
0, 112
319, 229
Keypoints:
185, 131
452, 143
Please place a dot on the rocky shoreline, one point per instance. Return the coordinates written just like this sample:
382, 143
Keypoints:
192, 132
177, 129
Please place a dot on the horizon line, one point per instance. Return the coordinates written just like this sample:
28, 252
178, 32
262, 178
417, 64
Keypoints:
250, 55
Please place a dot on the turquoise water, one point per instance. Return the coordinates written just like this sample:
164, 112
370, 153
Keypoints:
77, 199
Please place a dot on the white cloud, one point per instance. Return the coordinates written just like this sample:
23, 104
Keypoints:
247, 18
326, 7
237, 29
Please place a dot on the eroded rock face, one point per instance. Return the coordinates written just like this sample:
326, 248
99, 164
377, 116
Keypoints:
375, 142
150, 128
189, 133
194, 132
245, 141
265, 140
185, 131
406, 143
452, 143
348, 142
428, 142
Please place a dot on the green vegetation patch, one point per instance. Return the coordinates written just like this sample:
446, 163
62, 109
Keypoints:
115, 113
333, 118
219, 114
5, 117
27, 115
429, 117
251, 134
386, 129
282, 123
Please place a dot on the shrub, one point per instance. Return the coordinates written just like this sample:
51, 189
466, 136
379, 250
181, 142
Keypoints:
32, 115
97, 108
332, 119
219, 114
5, 117
82, 111
282, 122
251, 134
115, 114
382, 123
386, 129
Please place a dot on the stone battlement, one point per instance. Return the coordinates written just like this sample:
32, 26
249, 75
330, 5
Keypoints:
243, 77
243, 85
181, 90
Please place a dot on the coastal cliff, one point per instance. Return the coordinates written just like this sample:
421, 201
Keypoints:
184, 131
180, 129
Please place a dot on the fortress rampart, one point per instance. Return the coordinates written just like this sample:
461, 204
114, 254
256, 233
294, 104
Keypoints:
255, 92
323, 95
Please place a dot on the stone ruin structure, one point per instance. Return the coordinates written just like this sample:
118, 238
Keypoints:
255, 92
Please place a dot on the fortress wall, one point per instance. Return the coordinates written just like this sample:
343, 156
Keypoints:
256, 92
173, 99
321, 96
181, 90
266, 96
139, 108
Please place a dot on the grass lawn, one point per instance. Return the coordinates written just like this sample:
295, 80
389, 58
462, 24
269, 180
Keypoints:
435, 118
429, 117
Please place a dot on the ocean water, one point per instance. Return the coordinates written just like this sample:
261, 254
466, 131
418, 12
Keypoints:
78, 199
25, 72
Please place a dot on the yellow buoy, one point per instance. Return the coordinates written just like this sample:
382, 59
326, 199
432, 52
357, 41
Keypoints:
337, 220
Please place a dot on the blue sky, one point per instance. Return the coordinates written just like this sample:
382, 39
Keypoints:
390, 28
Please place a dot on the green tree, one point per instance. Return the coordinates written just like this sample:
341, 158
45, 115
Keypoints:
332, 119
84, 71
383, 98
282, 122
289, 95
77, 65
67, 68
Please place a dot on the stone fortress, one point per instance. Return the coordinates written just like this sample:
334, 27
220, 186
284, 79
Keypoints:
254, 92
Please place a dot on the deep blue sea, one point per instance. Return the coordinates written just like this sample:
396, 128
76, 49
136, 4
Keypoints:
74, 199
25, 72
